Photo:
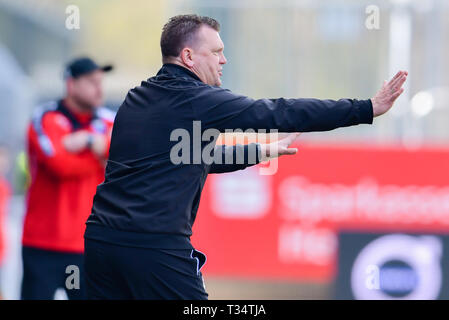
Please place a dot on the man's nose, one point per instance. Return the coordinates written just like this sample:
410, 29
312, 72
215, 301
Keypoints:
223, 59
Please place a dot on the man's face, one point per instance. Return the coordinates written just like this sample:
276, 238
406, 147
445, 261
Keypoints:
87, 90
208, 58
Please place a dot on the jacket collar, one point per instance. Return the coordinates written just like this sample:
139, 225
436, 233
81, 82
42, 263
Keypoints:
177, 70
74, 120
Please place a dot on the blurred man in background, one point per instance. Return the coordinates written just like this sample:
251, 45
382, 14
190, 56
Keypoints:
68, 143
4, 197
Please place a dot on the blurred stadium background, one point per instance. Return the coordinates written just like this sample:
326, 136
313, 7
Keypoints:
349, 198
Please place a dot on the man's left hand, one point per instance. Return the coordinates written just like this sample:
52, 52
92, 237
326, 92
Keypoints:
280, 147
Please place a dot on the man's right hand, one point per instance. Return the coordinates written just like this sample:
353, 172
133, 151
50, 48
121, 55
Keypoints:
387, 95
78, 141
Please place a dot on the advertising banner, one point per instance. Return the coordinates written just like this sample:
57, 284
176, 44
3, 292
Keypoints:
285, 225
393, 266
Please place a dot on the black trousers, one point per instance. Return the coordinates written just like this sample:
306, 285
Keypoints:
119, 272
44, 272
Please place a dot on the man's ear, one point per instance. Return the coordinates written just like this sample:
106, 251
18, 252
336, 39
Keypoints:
186, 57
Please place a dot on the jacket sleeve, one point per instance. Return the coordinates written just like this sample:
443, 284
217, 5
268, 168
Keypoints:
233, 158
46, 148
221, 109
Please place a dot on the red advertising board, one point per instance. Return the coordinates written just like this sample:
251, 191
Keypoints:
284, 226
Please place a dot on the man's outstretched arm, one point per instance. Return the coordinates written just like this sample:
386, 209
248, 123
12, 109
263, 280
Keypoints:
221, 109
239, 157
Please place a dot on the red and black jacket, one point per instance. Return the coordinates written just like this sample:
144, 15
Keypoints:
62, 183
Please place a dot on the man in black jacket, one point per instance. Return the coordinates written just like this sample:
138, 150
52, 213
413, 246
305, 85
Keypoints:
137, 239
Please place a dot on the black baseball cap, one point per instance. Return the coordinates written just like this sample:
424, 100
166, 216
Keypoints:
83, 65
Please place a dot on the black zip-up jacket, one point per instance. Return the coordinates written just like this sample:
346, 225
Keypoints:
148, 201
